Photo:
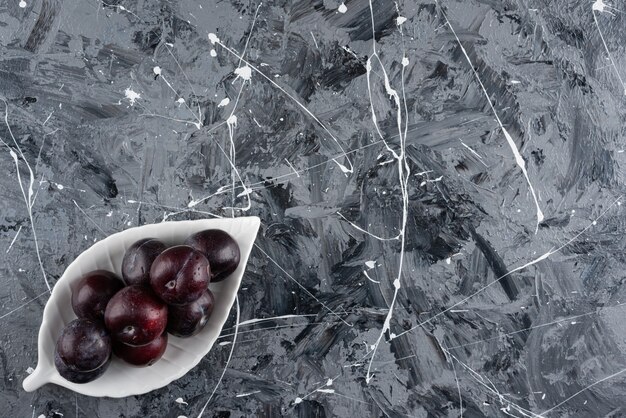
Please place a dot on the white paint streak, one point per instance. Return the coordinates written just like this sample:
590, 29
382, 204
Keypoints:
292, 167
303, 288
471, 149
326, 390
522, 267
48, 118
243, 395
488, 384
257, 320
438, 179
355, 226
24, 304
404, 171
28, 198
230, 355
314, 41
518, 158
303, 107
599, 6
583, 390
369, 278
13, 240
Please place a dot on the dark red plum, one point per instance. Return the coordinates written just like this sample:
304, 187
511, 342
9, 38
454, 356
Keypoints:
138, 259
84, 345
135, 315
179, 275
219, 248
91, 294
145, 355
78, 377
187, 320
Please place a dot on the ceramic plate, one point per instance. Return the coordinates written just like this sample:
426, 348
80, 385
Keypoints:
181, 354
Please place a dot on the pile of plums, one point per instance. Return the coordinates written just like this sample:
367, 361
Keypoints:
164, 290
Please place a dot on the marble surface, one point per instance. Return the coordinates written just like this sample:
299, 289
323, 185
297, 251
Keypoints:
439, 182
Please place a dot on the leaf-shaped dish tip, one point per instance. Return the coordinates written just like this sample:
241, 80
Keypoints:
181, 355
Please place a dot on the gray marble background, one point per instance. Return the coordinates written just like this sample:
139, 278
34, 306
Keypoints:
460, 254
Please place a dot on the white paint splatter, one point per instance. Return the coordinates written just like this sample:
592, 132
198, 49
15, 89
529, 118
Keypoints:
598, 6
329, 382
342, 8
370, 264
181, 401
297, 401
400, 20
60, 186
213, 53
180, 100
224, 102
213, 38
246, 191
244, 72
23, 4
405, 61
157, 70
131, 95
30, 370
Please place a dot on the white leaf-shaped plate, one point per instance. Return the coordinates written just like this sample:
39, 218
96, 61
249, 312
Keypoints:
181, 355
